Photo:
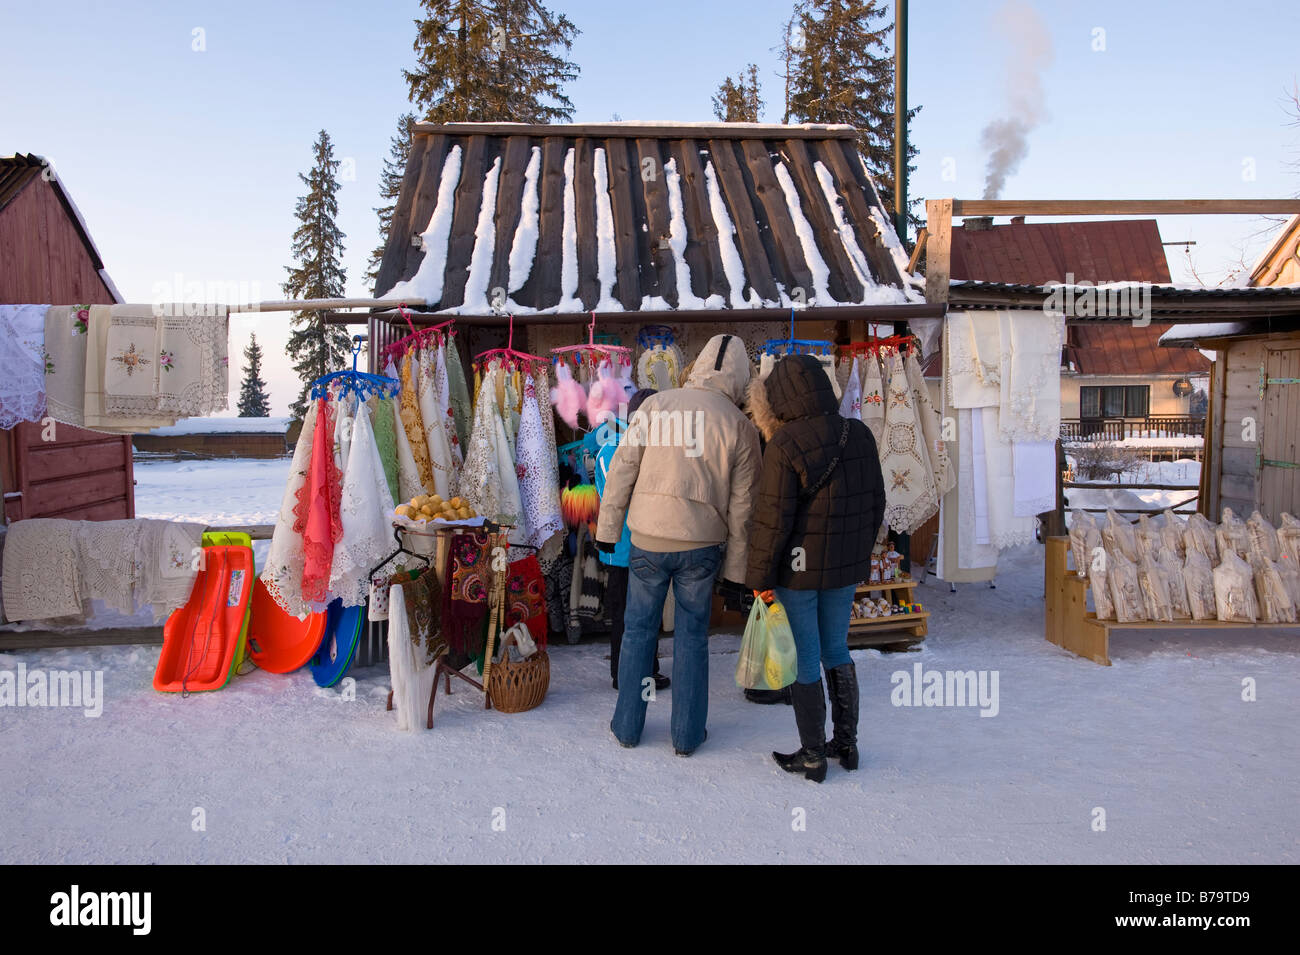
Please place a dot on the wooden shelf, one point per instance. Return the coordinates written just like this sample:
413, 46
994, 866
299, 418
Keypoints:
1070, 625
897, 619
892, 585
1187, 624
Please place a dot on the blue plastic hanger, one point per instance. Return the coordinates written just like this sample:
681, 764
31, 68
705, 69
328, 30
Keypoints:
360, 383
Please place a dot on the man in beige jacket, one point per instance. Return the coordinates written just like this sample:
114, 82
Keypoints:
684, 479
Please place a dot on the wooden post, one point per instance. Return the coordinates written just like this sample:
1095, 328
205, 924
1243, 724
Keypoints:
938, 249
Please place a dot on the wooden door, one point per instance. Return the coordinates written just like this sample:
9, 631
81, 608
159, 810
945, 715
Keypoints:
1280, 434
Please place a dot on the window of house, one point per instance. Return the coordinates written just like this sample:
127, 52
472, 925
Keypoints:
1114, 401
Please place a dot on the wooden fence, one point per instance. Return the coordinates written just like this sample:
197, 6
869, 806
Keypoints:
1118, 429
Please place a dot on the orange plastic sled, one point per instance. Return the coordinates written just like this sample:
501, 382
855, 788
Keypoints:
278, 642
202, 641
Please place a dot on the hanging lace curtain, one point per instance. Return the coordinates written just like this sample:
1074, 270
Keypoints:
365, 516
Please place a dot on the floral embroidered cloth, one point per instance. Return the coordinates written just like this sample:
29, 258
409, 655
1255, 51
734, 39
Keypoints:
22, 382
465, 596
526, 597
169, 359
910, 496
873, 400
931, 427
65, 363
96, 416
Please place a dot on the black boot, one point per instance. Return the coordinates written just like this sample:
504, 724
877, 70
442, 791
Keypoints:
768, 697
842, 681
809, 700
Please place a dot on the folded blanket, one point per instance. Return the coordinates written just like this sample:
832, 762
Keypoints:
41, 575
55, 568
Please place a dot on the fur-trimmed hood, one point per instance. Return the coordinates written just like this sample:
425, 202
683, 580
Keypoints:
760, 409
796, 387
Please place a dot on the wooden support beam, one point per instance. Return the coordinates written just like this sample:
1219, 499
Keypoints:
1121, 207
918, 249
633, 130
722, 316
327, 304
938, 249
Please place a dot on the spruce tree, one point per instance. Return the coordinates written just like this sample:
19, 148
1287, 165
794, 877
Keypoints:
492, 61
739, 100
254, 402
839, 69
317, 348
390, 186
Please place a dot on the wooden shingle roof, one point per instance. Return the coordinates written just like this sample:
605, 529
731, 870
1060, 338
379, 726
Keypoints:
634, 217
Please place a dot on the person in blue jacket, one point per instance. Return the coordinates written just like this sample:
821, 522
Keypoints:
616, 563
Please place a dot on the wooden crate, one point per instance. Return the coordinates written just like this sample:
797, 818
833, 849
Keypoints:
1071, 625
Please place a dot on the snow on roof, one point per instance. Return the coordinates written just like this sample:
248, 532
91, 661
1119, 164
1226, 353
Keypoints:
224, 426
498, 215
1192, 333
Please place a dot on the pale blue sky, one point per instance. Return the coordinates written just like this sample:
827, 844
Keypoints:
186, 162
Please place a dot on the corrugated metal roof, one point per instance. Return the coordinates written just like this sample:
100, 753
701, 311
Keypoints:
1165, 299
628, 217
1071, 252
1041, 252
1130, 349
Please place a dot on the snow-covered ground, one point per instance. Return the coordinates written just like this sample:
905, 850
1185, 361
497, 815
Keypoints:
222, 492
1125, 495
1184, 769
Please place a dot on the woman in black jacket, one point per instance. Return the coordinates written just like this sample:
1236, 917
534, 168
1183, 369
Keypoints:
819, 505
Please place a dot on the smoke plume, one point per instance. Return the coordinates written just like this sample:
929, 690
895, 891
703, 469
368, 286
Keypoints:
1030, 53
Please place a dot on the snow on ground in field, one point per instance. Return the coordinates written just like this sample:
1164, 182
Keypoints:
230, 425
1158, 439
217, 493
1184, 472
1185, 770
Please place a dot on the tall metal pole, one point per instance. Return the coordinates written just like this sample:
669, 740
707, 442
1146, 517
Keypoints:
900, 118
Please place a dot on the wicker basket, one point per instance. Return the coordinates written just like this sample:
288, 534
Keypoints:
516, 686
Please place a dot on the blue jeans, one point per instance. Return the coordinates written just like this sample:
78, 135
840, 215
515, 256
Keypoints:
820, 621
691, 574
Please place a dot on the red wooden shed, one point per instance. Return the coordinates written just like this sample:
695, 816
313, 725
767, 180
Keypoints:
48, 257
